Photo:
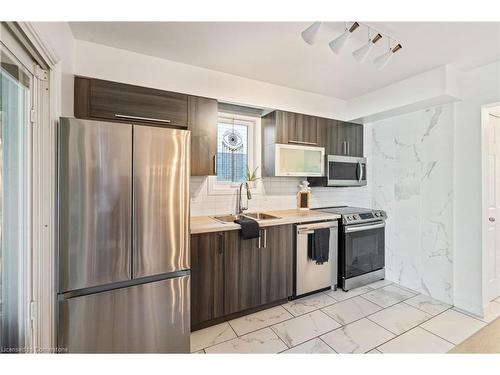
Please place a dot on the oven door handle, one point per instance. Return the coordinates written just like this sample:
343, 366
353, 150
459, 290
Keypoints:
360, 228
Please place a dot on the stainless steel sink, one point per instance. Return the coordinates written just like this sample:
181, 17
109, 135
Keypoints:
260, 216
253, 215
227, 218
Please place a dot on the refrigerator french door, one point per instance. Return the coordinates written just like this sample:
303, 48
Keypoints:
123, 238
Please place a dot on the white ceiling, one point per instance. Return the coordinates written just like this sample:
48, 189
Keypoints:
274, 51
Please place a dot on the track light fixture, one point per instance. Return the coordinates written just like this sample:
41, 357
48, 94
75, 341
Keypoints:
337, 43
360, 54
309, 34
382, 60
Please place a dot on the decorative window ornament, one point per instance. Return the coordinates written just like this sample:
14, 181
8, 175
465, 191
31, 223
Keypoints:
232, 140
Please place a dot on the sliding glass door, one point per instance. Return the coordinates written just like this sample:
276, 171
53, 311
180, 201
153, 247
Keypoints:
15, 105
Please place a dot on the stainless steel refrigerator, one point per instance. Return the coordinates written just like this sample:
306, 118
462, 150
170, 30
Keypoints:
124, 278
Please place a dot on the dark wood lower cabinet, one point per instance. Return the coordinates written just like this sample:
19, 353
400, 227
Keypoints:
231, 276
274, 261
242, 270
207, 277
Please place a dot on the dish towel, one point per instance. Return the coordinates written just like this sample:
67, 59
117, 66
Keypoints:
319, 245
249, 228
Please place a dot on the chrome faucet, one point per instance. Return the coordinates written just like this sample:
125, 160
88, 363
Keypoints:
242, 208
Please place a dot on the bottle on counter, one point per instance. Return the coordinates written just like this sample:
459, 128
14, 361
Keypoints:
304, 196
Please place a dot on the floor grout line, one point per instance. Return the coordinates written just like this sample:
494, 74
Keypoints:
327, 344
415, 307
410, 329
318, 309
435, 334
344, 325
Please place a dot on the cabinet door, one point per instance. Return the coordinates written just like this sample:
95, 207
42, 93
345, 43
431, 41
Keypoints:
310, 130
242, 270
203, 126
207, 277
297, 128
276, 263
122, 102
356, 141
350, 139
284, 126
333, 138
321, 132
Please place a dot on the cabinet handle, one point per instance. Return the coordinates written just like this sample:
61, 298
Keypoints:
142, 118
262, 237
215, 164
345, 146
303, 143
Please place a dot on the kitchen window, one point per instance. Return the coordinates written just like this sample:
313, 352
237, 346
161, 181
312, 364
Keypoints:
232, 151
236, 142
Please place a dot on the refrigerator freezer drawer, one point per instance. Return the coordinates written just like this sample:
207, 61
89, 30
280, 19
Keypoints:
95, 192
146, 318
161, 201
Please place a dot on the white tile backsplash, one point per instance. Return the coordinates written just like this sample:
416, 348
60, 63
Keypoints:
277, 193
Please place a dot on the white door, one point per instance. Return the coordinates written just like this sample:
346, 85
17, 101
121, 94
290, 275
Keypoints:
493, 217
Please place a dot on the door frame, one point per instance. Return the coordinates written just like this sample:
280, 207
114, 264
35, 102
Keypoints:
485, 109
42, 187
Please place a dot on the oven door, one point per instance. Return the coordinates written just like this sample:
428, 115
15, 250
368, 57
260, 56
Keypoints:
346, 171
363, 249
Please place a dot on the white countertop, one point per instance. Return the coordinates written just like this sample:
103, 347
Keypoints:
206, 224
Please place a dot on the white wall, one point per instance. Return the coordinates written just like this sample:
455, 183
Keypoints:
435, 87
481, 87
412, 180
99, 61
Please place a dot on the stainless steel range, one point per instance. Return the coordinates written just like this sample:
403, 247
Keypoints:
361, 245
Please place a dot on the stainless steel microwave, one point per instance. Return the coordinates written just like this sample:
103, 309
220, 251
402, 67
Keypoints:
345, 171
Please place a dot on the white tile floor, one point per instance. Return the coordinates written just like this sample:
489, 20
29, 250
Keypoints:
379, 318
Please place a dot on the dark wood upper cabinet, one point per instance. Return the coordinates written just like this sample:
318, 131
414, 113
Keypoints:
113, 101
128, 103
202, 119
207, 277
338, 137
349, 139
289, 127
